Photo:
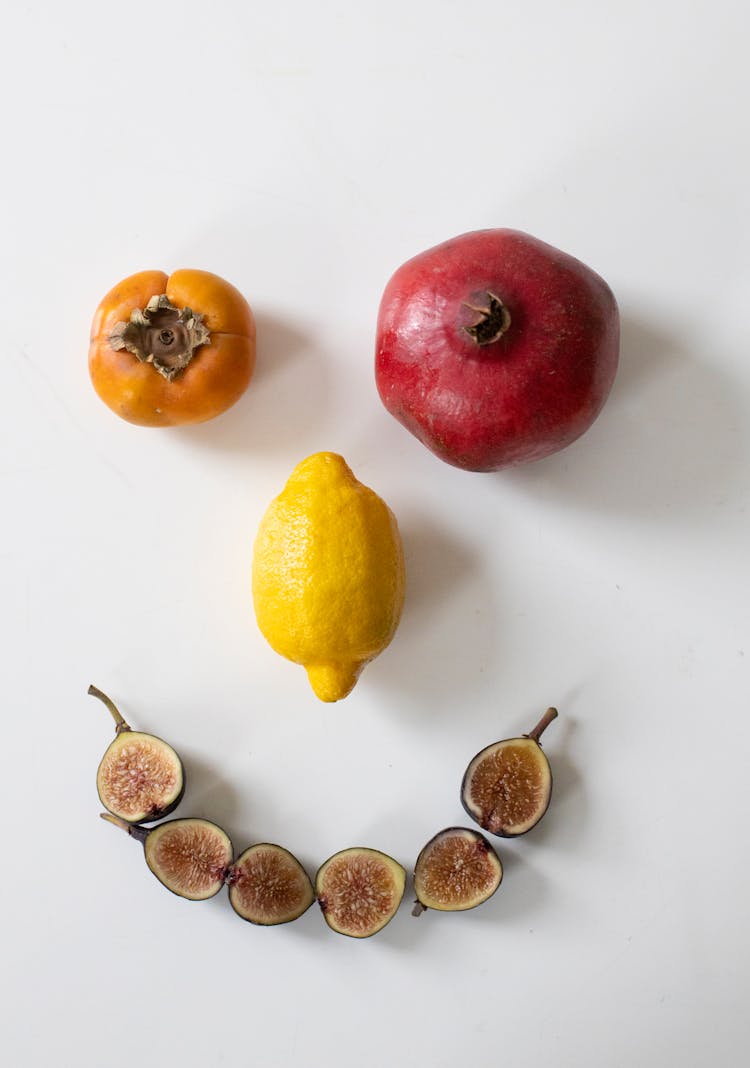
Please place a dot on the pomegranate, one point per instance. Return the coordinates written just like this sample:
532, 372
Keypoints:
496, 349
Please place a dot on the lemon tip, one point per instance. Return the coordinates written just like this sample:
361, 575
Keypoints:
332, 682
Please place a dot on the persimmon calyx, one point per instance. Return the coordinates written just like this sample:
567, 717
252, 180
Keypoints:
161, 335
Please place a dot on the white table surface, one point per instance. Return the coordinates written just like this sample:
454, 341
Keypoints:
303, 152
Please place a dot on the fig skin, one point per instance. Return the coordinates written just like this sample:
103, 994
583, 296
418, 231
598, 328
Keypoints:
426, 900
149, 837
201, 826
293, 865
155, 753
487, 818
228, 871
330, 907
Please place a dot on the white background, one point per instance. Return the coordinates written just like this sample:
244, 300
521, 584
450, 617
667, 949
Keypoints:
303, 151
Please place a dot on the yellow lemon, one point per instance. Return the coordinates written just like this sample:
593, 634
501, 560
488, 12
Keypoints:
328, 574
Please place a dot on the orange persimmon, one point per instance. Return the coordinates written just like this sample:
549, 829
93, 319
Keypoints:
172, 349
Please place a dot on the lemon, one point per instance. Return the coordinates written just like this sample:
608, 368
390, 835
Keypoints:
328, 574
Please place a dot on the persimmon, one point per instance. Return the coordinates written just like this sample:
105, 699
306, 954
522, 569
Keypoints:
167, 350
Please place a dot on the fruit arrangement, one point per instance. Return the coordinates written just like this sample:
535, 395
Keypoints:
493, 349
358, 889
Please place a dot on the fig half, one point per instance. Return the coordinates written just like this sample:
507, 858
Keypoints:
507, 786
268, 885
359, 891
191, 857
458, 869
140, 778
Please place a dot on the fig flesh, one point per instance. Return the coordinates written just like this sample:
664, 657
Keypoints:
140, 777
268, 885
191, 857
457, 870
507, 786
359, 891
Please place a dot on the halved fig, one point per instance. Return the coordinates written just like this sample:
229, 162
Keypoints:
191, 857
458, 869
140, 778
359, 891
268, 885
507, 786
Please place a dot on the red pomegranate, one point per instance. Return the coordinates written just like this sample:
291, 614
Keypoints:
495, 348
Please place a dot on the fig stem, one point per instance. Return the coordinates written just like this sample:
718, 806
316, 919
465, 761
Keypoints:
133, 829
542, 725
418, 909
120, 724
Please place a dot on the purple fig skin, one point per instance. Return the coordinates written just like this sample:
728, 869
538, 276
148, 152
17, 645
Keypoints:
397, 876
480, 842
143, 834
233, 876
533, 736
124, 731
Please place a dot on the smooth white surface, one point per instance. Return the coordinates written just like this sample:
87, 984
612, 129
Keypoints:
303, 152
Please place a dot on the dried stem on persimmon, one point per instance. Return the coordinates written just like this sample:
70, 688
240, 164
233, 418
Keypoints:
162, 335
